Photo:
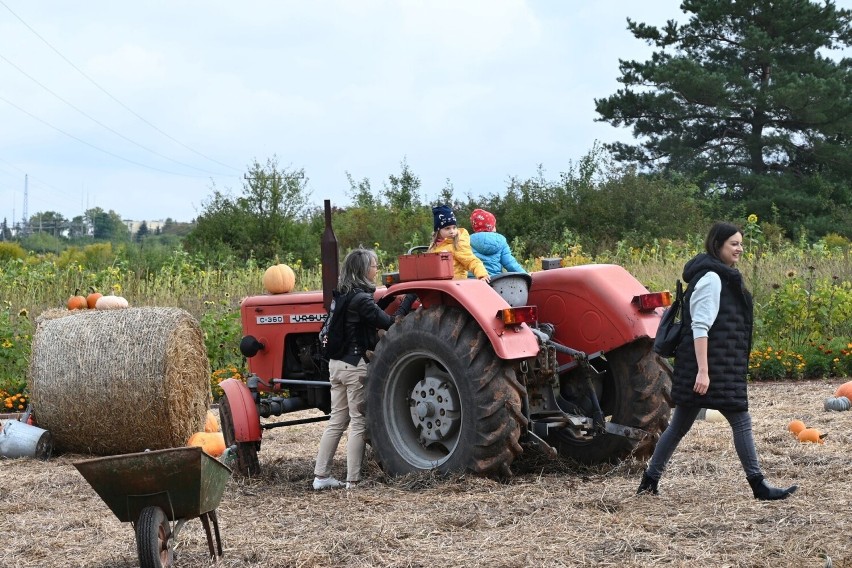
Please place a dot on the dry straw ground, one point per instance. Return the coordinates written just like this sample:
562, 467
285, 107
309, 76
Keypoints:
547, 515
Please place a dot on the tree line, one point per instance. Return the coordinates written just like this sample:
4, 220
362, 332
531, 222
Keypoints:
744, 108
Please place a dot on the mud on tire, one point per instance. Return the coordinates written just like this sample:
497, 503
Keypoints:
636, 391
439, 398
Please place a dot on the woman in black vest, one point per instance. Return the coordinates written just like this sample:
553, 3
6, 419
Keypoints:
711, 362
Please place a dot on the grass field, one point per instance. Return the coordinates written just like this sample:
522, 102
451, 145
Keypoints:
549, 514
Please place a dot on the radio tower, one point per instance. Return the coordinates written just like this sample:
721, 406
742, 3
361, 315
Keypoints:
24, 220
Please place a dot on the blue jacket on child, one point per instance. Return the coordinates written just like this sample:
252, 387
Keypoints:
494, 252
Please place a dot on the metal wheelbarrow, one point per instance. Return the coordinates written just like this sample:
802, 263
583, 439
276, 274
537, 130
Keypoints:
151, 489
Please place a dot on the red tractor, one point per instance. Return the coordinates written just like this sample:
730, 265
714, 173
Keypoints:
560, 360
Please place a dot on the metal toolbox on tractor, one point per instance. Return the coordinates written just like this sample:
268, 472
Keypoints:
426, 266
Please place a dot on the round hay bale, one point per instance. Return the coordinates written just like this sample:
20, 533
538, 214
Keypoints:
120, 381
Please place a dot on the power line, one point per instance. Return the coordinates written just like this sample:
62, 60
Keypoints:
99, 123
39, 182
114, 155
107, 93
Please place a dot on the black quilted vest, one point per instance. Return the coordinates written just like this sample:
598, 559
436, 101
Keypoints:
729, 343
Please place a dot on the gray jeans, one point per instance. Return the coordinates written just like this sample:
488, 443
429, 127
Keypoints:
347, 400
683, 419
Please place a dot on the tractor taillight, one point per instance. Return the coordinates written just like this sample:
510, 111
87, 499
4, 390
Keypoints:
390, 278
649, 302
518, 315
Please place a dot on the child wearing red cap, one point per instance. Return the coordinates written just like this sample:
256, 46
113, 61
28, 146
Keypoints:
489, 246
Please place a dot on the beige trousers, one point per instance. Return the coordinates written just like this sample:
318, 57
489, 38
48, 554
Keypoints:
347, 398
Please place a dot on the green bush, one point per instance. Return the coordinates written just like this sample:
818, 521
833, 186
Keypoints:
222, 330
15, 344
11, 251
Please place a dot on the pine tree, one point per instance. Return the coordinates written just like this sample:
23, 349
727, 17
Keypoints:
745, 97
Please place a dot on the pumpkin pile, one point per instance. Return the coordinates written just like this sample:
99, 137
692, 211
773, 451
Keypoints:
94, 300
805, 434
841, 399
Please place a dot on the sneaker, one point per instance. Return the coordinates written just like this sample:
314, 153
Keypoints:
352, 484
326, 483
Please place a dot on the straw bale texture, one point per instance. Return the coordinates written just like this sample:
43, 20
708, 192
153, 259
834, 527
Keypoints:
120, 381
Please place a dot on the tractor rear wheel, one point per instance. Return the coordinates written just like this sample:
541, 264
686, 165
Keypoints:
438, 398
635, 392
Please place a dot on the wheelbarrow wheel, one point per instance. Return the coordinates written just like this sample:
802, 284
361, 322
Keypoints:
154, 544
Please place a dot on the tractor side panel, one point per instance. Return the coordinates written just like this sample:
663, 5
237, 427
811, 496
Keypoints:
591, 306
271, 318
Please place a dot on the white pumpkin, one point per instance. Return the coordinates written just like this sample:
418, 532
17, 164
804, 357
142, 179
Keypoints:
713, 415
111, 303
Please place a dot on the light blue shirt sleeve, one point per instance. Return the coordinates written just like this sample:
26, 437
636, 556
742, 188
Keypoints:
704, 304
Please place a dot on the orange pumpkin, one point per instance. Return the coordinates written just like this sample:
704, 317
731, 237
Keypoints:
811, 435
76, 302
211, 424
844, 390
796, 426
92, 298
279, 279
211, 442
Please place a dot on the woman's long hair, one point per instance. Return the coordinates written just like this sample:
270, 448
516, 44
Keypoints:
719, 233
356, 267
436, 238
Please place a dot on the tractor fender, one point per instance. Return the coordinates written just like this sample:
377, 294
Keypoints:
482, 302
591, 306
243, 410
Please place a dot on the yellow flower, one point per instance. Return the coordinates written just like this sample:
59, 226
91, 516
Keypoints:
752, 218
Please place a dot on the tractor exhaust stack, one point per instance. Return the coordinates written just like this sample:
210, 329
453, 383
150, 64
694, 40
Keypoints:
329, 257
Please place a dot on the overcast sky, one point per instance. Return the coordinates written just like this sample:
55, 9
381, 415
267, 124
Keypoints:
141, 107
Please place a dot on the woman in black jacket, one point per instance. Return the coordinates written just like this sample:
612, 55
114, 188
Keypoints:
347, 371
711, 362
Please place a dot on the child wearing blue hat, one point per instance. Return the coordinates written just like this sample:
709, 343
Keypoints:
449, 237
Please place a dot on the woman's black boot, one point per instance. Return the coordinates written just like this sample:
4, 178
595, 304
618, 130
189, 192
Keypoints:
648, 485
766, 492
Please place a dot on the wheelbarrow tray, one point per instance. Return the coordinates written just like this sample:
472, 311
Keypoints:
183, 482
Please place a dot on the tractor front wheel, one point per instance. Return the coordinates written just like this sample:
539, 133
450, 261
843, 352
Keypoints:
438, 398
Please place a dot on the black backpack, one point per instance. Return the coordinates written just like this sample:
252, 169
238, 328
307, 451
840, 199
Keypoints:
670, 330
332, 336
676, 320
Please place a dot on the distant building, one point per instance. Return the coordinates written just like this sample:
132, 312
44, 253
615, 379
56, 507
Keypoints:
133, 226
